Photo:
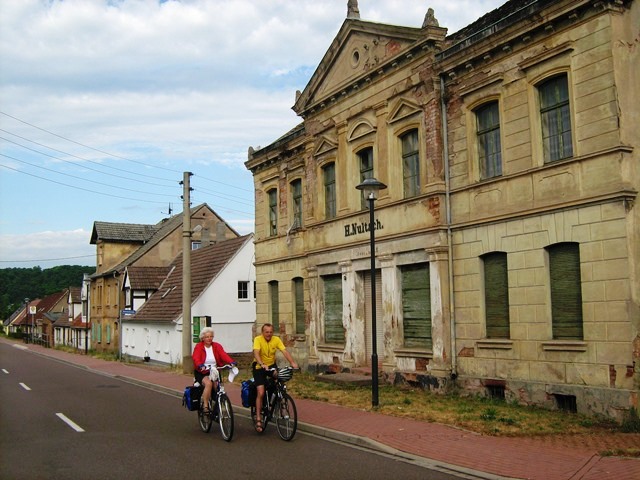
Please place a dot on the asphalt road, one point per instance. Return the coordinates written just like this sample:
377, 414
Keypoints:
58, 421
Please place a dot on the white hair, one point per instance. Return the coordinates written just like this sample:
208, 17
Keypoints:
206, 330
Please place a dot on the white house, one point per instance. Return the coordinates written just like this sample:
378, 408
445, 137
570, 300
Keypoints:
222, 296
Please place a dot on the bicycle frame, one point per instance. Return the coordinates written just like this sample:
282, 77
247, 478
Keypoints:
278, 406
220, 409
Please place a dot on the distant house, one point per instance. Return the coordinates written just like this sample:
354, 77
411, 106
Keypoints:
120, 246
222, 296
63, 327
36, 321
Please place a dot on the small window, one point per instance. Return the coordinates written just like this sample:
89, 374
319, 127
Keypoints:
496, 295
566, 293
298, 295
196, 245
366, 169
243, 290
411, 163
274, 305
555, 119
296, 197
488, 134
273, 212
333, 328
329, 177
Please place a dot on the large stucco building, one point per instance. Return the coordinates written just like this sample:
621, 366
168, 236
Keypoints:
508, 239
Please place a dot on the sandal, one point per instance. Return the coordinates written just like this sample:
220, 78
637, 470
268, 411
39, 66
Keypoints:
258, 426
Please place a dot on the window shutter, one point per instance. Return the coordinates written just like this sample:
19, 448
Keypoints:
416, 306
566, 294
496, 294
333, 329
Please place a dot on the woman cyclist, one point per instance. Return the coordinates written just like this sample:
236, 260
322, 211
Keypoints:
208, 354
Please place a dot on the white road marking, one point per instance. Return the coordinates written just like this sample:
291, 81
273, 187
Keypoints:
24, 386
70, 422
5, 370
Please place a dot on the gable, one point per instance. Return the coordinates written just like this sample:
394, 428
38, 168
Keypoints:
359, 49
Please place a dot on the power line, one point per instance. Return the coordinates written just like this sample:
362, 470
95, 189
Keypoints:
81, 158
84, 179
47, 259
76, 187
226, 184
89, 147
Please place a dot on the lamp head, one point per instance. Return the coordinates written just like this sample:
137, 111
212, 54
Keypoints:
370, 188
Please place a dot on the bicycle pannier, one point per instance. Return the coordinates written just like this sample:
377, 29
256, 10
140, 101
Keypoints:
248, 393
191, 397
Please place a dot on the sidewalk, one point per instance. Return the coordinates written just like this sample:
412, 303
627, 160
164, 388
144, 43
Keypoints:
442, 447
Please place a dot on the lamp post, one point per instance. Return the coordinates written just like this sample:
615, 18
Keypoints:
370, 187
26, 319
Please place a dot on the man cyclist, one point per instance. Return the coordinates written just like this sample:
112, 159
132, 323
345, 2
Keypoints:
265, 346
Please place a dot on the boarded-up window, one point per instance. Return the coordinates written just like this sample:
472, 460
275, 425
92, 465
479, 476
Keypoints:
496, 294
416, 305
298, 295
566, 293
274, 305
333, 329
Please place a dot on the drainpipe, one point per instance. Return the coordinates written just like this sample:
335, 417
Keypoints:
445, 149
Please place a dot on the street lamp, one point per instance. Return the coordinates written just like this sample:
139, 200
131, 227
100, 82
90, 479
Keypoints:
26, 319
370, 187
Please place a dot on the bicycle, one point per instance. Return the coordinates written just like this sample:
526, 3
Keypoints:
220, 409
278, 405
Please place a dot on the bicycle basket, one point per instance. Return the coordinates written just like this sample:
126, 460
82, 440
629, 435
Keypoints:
285, 374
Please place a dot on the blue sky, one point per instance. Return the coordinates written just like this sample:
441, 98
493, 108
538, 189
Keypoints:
104, 104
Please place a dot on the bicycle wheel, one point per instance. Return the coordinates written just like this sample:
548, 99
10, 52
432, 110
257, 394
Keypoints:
225, 417
204, 419
286, 417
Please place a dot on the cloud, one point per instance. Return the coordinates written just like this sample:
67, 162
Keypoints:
47, 249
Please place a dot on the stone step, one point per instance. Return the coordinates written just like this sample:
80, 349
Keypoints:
345, 378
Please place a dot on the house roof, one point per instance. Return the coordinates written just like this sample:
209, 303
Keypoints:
165, 305
121, 232
75, 293
78, 323
162, 230
146, 278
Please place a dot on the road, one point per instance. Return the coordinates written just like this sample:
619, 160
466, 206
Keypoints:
63, 422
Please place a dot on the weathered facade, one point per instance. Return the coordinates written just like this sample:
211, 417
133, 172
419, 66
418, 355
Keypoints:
508, 239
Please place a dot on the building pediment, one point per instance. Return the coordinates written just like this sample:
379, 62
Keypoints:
325, 145
359, 49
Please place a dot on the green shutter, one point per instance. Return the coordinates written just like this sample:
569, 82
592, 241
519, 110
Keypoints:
196, 329
298, 284
416, 306
566, 294
333, 328
496, 295
275, 306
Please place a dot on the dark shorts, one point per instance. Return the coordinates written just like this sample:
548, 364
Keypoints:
199, 376
260, 376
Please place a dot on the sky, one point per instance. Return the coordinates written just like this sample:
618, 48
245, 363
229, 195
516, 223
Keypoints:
105, 103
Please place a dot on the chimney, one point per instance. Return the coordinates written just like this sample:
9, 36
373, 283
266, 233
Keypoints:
206, 238
220, 232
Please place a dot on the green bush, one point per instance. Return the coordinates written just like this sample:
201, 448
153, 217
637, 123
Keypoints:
631, 423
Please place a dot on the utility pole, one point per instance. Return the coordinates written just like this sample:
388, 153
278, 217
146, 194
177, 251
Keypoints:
187, 363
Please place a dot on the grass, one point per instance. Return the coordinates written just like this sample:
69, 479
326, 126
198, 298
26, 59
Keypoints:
477, 414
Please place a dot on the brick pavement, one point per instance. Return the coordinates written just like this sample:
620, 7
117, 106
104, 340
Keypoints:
443, 447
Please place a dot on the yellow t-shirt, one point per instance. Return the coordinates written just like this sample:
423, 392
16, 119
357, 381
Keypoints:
268, 349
